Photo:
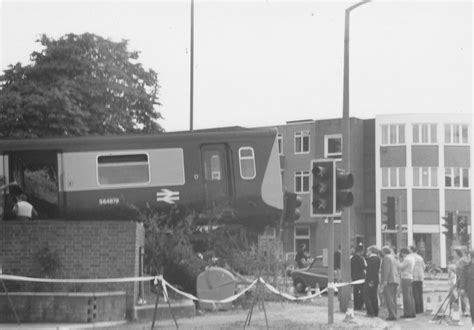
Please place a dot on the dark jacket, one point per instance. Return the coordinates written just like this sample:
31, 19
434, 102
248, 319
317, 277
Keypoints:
357, 267
373, 268
467, 279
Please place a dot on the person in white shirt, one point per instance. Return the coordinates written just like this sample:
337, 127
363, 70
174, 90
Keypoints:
406, 266
418, 275
24, 210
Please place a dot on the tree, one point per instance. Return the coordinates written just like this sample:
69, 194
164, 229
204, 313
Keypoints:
79, 85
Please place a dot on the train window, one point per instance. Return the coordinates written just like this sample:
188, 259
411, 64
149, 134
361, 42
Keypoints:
123, 169
247, 163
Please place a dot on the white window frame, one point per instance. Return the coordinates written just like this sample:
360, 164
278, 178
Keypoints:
246, 158
302, 135
327, 154
397, 175
397, 128
297, 237
450, 139
419, 139
302, 175
280, 143
431, 175
451, 175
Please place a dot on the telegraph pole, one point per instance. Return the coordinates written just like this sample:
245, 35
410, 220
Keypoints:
345, 291
191, 78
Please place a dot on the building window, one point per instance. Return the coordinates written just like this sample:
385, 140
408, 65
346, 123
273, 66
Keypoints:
302, 237
302, 142
426, 177
456, 134
301, 182
333, 146
424, 133
247, 163
280, 144
456, 177
393, 134
393, 177
123, 169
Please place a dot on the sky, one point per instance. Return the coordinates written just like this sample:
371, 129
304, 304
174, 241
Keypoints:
263, 63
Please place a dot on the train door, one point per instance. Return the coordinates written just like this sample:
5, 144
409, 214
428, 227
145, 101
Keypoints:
36, 172
217, 183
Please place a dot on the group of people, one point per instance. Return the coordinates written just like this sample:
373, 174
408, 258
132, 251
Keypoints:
22, 209
383, 273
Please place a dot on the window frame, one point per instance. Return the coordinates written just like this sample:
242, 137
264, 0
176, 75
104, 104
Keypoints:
387, 128
302, 237
431, 134
452, 171
280, 143
332, 155
117, 154
430, 170
302, 135
301, 175
246, 158
451, 127
397, 175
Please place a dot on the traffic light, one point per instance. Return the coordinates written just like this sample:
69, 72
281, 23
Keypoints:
323, 184
344, 197
448, 224
462, 229
292, 207
390, 212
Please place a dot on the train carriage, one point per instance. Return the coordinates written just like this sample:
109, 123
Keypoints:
97, 177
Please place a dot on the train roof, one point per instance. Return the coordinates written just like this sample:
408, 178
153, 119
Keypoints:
90, 143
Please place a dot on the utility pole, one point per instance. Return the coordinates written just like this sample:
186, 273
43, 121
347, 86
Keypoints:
399, 221
191, 78
331, 272
345, 291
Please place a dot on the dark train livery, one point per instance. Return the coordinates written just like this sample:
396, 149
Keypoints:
93, 176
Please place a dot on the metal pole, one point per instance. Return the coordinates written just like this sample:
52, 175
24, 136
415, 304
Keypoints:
191, 87
345, 291
399, 218
331, 272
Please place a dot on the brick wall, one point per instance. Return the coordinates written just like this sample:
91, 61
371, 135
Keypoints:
86, 249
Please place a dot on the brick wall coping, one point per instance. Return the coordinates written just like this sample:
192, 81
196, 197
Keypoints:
66, 294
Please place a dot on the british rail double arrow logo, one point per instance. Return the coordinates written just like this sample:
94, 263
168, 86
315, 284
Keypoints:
167, 196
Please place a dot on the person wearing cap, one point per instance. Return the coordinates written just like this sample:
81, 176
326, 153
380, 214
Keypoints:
301, 257
467, 284
372, 281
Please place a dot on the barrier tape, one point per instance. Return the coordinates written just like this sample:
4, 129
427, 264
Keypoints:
160, 280
77, 280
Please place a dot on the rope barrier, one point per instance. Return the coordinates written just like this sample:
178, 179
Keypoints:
164, 284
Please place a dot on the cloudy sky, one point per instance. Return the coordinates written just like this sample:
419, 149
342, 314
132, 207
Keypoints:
260, 63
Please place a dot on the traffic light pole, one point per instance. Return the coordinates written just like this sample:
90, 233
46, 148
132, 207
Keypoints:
331, 272
399, 221
345, 291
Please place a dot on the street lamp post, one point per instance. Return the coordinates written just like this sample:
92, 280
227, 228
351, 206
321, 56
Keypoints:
191, 74
345, 291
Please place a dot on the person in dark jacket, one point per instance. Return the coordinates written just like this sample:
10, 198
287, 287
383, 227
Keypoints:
371, 284
301, 257
358, 266
467, 284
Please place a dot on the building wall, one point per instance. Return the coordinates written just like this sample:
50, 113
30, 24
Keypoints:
426, 160
86, 249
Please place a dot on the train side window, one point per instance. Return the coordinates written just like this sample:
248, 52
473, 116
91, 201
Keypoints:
123, 169
247, 163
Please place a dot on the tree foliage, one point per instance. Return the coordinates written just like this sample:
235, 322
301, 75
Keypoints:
79, 85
